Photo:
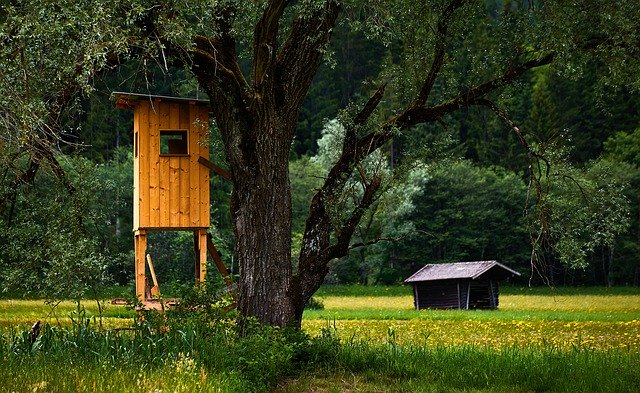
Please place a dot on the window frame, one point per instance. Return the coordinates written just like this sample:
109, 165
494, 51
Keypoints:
171, 132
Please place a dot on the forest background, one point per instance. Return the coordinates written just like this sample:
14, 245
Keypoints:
470, 195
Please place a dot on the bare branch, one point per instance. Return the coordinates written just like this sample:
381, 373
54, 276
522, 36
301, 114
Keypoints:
504, 117
439, 51
375, 241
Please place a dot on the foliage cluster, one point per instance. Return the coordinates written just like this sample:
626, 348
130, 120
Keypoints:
68, 247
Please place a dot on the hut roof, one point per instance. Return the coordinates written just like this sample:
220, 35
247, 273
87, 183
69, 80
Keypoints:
125, 100
460, 270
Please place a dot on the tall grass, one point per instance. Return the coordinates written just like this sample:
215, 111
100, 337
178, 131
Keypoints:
217, 359
359, 366
200, 349
197, 354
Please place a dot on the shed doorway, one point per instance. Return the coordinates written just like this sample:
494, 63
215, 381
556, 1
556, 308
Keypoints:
483, 295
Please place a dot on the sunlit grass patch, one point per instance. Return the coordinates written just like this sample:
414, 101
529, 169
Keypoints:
368, 302
585, 303
493, 334
20, 314
364, 290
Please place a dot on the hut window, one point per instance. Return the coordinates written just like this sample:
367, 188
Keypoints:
173, 142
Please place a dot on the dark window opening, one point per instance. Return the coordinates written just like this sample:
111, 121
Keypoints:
173, 142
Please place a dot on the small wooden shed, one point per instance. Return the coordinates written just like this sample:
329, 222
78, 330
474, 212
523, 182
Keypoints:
170, 182
462, 285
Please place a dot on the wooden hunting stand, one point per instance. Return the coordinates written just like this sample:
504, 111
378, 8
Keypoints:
170, 177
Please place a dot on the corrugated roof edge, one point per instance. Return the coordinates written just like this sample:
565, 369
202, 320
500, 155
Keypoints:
495, 263
118, 95
411, 278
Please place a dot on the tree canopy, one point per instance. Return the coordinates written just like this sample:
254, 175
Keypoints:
436, 64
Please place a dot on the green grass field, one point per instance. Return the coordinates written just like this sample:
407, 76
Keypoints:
595, 318
541, 339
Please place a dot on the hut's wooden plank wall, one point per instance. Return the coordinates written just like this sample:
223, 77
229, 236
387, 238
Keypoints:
172, 189
439, 294
459, 294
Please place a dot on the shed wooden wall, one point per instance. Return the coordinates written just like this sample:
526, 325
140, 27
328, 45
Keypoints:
458, 294
440, 294
172, 191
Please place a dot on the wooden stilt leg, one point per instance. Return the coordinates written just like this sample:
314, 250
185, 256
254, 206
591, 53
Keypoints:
202, 260
140, 246
215, 255
196, 252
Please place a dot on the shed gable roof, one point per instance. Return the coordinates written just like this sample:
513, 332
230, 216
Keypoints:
459, 270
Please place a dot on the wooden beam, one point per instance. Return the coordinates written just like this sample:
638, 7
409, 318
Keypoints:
140, 242
196, 252
214, 168
215, 255
155, 290
202, 261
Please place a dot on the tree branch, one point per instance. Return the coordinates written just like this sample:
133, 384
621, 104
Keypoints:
302, 52
416, 115
504, 117
531, 154
27, 177
370, 106
264, 42
439, 52
218, 57
346, 231
377, 240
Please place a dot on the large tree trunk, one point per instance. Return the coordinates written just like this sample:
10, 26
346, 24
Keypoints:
261, 212
257, 119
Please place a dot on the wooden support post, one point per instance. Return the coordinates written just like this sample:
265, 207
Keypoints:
215, 255
140, 246
155, 290
492, 298
196, 253
214, 168
200, 247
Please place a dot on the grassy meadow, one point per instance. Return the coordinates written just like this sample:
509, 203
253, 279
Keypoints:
366, 339
592, 318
